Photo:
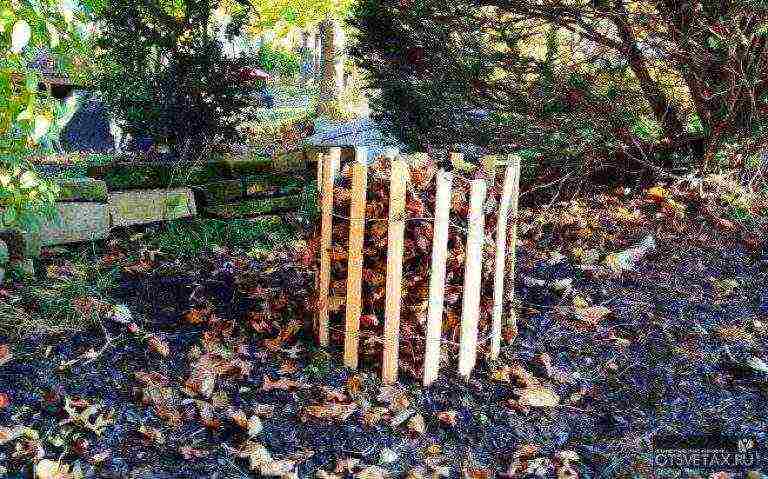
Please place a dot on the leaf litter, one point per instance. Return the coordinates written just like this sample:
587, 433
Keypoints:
617, 341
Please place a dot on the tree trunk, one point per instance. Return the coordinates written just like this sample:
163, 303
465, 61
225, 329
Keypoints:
332, 82
666, 113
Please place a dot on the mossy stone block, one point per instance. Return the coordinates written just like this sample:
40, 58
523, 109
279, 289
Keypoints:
83, 190
219, 192
255, 166
291, 161
255, 207
260, 185
76, 223
126, 176
127, 208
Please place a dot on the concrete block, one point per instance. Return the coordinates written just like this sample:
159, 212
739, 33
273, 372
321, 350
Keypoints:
128, 208
219, 192
77, 222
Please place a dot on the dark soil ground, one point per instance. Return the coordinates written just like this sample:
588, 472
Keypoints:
680, 352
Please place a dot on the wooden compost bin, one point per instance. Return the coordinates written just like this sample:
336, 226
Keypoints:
503, 268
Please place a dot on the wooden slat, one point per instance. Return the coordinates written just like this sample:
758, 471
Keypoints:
511, 179
470, 313
394, 270
320, 162
437, 277
355, 268
514, 160
325, 243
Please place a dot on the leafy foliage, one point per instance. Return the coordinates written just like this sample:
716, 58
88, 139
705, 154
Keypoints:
624, 75
26, 114
274, 60
166, 75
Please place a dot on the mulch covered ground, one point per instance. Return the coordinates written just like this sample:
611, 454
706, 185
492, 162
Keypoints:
209, 370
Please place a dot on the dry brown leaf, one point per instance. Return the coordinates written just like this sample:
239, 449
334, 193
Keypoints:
153, 435
476, 473
158, 346
448, 417
353, 385
338, 412
416, 424
198, 315
592, 314
537, 396
202, 378
5, 354
371, 472
284, 384
285, 468
48, 469
189, 453
239, 418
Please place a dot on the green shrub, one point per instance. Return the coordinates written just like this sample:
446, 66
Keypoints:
273, 60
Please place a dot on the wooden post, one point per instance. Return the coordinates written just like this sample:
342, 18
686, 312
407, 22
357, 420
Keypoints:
355, 268
511, 179
470, 312
394, 270
437, 276
514, 161
325, 242
320, 161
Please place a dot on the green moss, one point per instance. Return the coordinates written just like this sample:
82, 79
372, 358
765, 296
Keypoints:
83, 189
259, 185
255, 207
257, 165
220, 192
126, 176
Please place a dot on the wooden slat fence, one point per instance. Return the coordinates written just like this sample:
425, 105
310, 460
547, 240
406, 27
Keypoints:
505, 242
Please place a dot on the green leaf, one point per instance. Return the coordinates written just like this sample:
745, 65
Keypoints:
29, 180
9, 216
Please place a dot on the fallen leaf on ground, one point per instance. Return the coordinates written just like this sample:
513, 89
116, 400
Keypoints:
476, 473
448, 417
5, 401
197, 315
208, 415
48, 469
153, 435
284, 468
371, 472
5, 354
190, 453
346, 466
202, 377
8, 434
158, 346
284, 384
416, 424
339, 412
592, 314
537, 397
